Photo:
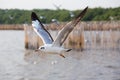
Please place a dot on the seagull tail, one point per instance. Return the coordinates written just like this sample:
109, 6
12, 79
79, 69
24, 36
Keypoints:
68, 50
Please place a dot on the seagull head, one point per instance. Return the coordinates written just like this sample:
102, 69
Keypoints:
42, 48
45, 47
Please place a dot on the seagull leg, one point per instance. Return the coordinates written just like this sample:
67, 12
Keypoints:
62, 55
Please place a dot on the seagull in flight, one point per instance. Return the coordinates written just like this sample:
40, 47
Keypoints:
50, 45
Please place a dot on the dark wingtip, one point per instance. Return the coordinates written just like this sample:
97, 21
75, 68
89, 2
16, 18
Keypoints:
86, 8
82, 13
34, 16
80, 16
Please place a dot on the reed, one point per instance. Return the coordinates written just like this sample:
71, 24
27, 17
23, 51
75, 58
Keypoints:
92, 25
32, 41
11, 27
87, 35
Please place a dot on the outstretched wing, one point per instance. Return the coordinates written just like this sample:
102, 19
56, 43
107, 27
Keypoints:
67, 29
40, 30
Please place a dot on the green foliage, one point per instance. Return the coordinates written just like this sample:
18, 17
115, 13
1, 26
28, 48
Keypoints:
16, 16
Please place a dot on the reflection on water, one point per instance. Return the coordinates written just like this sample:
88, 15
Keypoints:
89, 64
19, 64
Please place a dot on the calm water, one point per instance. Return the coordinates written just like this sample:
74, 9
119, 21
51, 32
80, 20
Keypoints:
16, 63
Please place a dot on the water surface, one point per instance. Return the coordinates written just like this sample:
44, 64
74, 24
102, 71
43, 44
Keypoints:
16, 63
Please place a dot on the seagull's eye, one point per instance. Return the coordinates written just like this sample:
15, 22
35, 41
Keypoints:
42, 48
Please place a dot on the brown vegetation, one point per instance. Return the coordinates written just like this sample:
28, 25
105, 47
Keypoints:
77, 38
11, 27
94, 25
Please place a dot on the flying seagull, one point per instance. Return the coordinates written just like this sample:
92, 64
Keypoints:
50, 45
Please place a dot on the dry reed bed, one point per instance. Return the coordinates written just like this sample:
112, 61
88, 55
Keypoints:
32, 41
11, 27
93, 25
94, 36
79, 39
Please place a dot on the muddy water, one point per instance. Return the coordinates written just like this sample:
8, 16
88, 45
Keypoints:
16, 63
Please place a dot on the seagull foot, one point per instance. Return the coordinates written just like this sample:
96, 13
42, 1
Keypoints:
62, 55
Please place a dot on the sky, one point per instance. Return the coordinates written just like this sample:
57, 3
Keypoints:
64, 4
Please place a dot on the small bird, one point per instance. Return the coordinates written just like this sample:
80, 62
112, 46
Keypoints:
50, 45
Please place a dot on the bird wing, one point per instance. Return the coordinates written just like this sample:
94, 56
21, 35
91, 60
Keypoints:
67, 29
40, 30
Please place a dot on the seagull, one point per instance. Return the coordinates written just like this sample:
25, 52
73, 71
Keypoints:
50, 45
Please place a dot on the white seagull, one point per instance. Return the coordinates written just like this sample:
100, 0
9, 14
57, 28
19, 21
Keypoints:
50, 45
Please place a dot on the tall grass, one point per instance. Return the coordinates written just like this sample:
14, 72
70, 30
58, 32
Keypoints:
87, 35
11, 27
94, 25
